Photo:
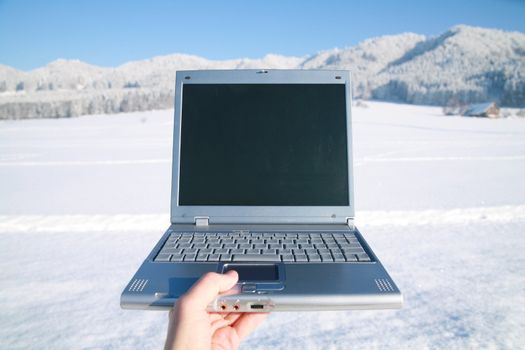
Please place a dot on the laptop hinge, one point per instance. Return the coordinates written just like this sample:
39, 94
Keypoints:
350, 223
201, 220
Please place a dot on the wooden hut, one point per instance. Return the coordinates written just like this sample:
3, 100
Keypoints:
486, 110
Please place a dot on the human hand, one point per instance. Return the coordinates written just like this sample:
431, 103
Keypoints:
192, 327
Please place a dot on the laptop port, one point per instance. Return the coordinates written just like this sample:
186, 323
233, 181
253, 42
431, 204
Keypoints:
257, 306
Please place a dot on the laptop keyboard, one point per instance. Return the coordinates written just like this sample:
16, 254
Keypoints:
242, 246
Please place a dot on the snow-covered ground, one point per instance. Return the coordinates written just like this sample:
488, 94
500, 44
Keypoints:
440, 199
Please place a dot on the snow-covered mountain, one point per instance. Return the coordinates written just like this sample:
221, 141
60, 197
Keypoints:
467, 64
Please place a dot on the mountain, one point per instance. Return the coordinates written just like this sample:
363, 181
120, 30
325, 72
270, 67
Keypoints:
464, 64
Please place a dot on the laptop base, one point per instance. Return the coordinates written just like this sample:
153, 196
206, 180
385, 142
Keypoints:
265, 286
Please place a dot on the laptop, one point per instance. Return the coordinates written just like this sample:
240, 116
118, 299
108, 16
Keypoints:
262, 183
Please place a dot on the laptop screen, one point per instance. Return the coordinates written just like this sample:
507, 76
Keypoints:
263, 145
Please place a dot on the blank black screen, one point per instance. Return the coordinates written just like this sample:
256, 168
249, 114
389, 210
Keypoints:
264, 145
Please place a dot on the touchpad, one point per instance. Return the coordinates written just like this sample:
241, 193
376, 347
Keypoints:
258, 272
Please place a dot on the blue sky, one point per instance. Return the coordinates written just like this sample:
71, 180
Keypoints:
109, 33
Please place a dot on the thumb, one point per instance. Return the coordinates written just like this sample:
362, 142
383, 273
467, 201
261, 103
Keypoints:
209, 286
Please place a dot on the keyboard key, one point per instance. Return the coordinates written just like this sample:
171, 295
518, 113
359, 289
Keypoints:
327, 257
336, 250
350, 257
213, 257
315, 258
351, 245
256, 257
221, 251
269, 251
190, 257
354, 251
301, 258
288, 257
253, 251
363, 257
163, 257
237, 251
177, 257
226, 257
202, 257
171, 250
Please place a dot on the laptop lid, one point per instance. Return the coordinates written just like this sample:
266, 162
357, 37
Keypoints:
262, 146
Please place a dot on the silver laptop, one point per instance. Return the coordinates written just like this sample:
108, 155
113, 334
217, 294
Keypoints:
262, 184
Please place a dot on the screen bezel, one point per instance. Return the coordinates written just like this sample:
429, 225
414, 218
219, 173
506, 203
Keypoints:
259, 214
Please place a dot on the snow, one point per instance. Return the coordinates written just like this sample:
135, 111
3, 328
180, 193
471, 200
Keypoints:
440, 200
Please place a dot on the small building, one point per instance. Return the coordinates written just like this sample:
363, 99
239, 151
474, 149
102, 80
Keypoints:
486, 110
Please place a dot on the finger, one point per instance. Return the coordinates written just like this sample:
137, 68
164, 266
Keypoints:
227, 320
248, 322
232, 317
213, 316
209, 286
219, 324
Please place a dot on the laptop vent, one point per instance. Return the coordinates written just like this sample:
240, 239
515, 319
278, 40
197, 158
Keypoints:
384, 285
137, 285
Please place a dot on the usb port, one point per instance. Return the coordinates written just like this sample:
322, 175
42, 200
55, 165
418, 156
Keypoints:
257, 306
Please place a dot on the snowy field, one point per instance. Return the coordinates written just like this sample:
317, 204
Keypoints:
440, 199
